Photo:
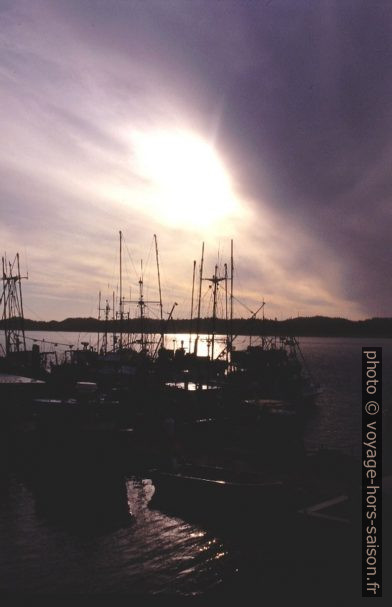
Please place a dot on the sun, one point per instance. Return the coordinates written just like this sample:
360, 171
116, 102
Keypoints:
187, 183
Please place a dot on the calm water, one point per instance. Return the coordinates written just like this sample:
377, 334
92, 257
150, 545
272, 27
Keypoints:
150, 552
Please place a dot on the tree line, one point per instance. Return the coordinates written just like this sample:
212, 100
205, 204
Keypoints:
314, 326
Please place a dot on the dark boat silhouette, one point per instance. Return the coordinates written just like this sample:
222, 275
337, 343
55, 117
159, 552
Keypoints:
219, 494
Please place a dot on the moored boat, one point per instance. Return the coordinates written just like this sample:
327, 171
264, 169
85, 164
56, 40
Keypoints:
212, 493
275, 369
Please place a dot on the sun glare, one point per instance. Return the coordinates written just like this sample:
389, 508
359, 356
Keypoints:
188, 184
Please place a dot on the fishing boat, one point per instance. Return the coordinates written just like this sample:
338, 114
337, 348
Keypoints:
270, 367
208, 492
136, 358
275, 369
15, 358
85, 409
16, 394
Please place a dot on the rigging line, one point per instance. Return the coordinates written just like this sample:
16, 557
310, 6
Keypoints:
210, 301
130, 258
221, 311
240, 302
40, 319
46, 341
27, 264
209, 304
152, 311
148, 269
114, 272
202, 300
34, 312
149, 254
254, 314
311, 375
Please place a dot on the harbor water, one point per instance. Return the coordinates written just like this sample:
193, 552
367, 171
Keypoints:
147, 552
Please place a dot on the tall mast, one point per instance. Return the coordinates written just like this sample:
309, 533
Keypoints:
160, 291
21, 305
121, 297
215, 280
105, 334
141, 305
231, 295
4, 301
199, 300
193, 292
99, 319
215, 283
114, 324
226, 311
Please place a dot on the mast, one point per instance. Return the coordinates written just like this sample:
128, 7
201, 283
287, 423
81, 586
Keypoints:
121, 297
21, 316
215, 280
114, 325
13, 316
141, 305
167, 323
99, 319
105, 334
226, 311
199, 299
104, 343
215, 283
171, 314
230, 345
160, 291
193, 292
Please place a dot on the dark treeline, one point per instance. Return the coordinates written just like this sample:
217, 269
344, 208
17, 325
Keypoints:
303, 326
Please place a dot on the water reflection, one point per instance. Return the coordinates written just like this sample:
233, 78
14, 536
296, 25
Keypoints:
154, 553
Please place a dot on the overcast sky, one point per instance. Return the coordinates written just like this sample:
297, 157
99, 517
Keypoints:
265, 122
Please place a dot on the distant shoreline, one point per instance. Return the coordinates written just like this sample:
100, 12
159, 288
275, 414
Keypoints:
315, 326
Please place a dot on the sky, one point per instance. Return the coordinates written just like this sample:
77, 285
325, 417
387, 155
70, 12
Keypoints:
267, 123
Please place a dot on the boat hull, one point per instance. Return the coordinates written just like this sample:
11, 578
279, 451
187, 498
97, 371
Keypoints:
219, 500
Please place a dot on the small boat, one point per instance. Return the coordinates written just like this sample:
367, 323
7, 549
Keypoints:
86, 407
16, 394
217, 493
76, 432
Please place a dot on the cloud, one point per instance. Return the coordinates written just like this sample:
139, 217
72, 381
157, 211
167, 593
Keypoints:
294, 99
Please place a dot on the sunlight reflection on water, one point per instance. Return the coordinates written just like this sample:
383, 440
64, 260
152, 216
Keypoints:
156, 553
